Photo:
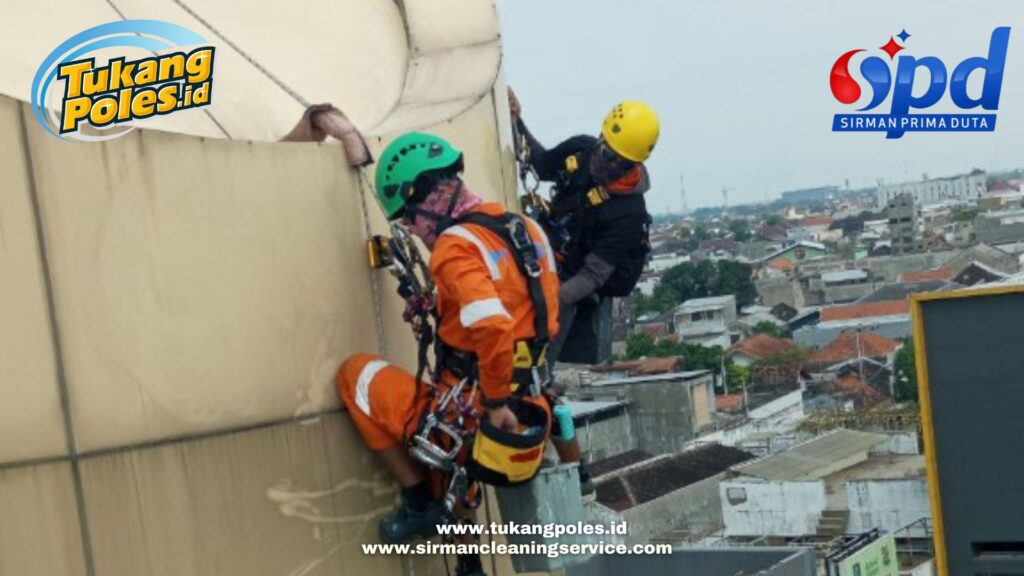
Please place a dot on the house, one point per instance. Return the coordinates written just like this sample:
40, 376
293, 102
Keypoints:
667, 409
854, 345
706, 321
977, 273
810, 228
802, 251
845, 285
758, 347
890, 318
648, 282
665, 260
716, 249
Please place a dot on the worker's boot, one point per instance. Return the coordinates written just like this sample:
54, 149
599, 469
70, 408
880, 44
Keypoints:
469, 565
587, 488
407, 522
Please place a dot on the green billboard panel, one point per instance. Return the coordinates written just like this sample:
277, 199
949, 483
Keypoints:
875, 559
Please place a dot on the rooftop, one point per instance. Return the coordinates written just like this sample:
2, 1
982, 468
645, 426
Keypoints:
583, 408
865, 310
709, 303
684, 375
668, 474
762, 346
854, 344
801, 244
618, 462
903, 290
642, 367
933, 274
814, 459
843, 276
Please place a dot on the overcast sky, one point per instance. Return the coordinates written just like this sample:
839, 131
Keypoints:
742, 86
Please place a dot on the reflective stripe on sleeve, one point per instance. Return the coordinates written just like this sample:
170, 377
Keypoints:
481, 310
363, 384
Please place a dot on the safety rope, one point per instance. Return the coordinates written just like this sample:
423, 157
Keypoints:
366, 187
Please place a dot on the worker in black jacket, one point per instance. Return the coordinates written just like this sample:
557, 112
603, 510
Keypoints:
597, 220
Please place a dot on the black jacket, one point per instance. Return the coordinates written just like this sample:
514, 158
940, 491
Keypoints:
616, 229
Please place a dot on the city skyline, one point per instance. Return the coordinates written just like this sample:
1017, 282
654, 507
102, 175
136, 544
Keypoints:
723, 103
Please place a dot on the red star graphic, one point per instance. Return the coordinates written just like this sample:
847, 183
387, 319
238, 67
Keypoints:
891, 48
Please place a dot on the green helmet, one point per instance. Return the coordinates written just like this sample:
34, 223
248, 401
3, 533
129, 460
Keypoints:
403, 161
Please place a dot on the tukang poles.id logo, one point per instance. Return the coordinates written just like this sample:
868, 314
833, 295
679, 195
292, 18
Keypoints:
891, 78
72, 89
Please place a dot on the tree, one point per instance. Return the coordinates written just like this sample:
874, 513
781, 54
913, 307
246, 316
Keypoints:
769, 328
740, 230
905, 369
639, 345
736, 378
706, 278
773, 220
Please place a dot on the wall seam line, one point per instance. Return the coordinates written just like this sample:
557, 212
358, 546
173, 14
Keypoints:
62, 383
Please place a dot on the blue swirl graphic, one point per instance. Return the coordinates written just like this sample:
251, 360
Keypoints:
877, 73
176, 35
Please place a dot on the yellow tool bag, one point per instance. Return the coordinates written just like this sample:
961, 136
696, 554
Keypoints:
506, 458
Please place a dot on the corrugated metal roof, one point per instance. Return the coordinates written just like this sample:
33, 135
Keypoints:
843, 276
814, 459
588, 407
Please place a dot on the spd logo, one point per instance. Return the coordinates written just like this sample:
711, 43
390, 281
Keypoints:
892, 79
76, 86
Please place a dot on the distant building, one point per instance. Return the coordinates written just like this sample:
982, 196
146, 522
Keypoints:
963, 187
798, 252
889, 318
810, 195
667, 410
811, 228
706, 321
666, 260
844, 482
903, 223
1000, 226
845, 285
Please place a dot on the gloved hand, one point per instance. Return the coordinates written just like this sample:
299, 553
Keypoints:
513, 104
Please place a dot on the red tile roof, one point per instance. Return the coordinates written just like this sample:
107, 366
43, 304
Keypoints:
654, 330
865, 310
934, 274
659, 366
815, 221
642, 367
762, 346
781, 264
851, 383
849, 346
729, 402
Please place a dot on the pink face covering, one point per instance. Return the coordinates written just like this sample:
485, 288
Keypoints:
437, 202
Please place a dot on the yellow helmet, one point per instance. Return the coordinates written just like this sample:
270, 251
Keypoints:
631, 129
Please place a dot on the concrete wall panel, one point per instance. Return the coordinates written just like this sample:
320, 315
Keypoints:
31, 425
39, 530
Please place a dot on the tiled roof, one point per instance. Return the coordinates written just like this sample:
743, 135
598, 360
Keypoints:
642, 367
851, 344
781, 264
729, 402
664, 475
865, 310
934, 274
851, 383
762, 346
815, 221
